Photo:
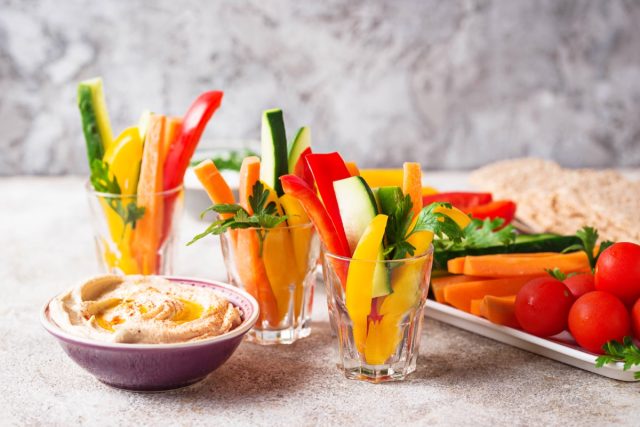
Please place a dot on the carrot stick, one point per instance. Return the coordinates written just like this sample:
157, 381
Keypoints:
249, 174
147, 236
254, 276
352, 168
504, 265
460, 295
214, 184
500, 310
475, 307
439, 283
456, 265
171, 132
412, 185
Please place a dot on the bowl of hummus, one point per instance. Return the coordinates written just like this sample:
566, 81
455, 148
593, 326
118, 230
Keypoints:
150, 333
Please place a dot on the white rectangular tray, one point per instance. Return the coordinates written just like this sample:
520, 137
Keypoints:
559, 348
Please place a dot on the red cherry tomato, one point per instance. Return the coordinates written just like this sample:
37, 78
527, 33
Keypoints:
635, 319
598, 317
618, 272
580, 284
542, 306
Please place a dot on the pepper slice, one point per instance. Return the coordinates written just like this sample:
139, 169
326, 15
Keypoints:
360, 278
181, 149
193, 124
327, 168
459, 199
505, 209
301, 168
312, 205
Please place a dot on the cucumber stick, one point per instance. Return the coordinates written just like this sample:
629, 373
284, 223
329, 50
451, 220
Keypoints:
301, 142
274, 161
95, 118
357, 209
389, 198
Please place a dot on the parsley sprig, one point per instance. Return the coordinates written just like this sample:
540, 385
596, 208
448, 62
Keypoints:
626, 352
589, 238
400, 220
265, 216
480, 234
102, 182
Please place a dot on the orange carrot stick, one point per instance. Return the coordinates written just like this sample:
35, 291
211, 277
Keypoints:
214, 184
254, 275
412, 185
460, 295
476, 306
249, 174
439, 283
171, 131
148, 232
504, 265
456, 265
500, 310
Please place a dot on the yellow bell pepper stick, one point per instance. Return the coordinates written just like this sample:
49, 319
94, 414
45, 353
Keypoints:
300, 237
360, 278
280, 262
124, 157
460, 218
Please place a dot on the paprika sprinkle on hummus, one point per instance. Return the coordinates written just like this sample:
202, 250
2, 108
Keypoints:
143, 309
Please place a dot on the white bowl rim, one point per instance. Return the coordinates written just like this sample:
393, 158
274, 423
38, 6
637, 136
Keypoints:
243, 328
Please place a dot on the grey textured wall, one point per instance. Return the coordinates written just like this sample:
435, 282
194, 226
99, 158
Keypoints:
453, 84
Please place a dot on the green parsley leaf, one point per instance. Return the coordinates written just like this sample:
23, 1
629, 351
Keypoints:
440, 224
480, 234
103, 183
589, 238
400, 220
626, 352
265, 216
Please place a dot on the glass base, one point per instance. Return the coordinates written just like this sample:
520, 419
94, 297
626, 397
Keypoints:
278, 336
376, 373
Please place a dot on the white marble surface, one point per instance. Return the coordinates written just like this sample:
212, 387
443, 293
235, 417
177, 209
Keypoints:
462, 379
452, 84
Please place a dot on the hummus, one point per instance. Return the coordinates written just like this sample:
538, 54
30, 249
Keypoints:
143, 309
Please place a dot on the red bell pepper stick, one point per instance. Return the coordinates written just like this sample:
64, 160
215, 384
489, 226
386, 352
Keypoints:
327, 168
193, 124
459, 199
505, 209
182, 148
317, 213
301, 168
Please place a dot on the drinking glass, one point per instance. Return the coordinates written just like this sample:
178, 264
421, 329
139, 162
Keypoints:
378, 324
276, 266
135, 234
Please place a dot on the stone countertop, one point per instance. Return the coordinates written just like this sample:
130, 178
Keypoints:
461, 378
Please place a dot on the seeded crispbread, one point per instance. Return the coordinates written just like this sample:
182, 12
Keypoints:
551, 198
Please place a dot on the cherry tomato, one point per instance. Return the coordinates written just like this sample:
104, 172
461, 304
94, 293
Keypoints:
580, 284
635, 319
542, 306
618, 271
598, 317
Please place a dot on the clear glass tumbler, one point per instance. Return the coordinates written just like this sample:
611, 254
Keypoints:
135, 234
377, 308
276, 266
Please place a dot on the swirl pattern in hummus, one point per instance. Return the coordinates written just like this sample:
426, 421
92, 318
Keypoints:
143, 309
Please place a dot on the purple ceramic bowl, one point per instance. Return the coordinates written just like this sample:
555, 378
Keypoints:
155, 367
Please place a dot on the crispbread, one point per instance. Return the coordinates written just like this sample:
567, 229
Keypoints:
559, 200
